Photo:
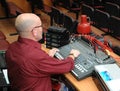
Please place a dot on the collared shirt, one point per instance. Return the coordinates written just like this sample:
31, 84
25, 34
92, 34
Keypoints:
30, 68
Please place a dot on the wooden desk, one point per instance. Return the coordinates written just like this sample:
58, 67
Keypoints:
86, 84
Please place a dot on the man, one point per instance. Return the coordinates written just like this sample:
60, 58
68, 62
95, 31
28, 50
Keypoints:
29, 67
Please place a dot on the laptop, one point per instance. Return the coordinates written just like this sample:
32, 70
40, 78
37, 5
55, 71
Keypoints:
109, 76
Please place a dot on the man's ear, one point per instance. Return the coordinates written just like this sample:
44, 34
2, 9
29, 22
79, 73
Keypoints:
34, 32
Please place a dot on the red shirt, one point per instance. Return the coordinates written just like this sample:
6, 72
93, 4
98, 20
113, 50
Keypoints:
30, 68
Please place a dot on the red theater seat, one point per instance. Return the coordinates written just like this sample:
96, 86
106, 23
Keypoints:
2, 36
14, 9
4, 44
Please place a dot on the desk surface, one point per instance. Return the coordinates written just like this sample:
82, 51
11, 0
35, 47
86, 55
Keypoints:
86, 84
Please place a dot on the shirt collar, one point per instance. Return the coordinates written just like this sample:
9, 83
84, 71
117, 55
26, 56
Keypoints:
29, 42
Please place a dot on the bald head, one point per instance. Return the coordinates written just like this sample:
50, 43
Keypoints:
26, 21
29, 26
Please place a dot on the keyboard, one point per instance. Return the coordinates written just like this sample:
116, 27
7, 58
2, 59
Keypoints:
85, 62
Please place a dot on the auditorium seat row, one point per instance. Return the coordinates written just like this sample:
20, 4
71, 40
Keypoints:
97, 4
72, 5
39, 4
103, 20
59, 19
110, 7
113, 1
10, 9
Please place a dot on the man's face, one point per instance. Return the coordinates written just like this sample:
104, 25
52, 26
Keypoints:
38, 31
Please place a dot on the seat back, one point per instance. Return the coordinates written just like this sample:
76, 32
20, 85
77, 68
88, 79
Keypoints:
14, 9
37, 3
68, 23
2, 2
117, 2
112, 1
99, 2
75, 3
66, 3
56, 17
4, 44
114, 27
89, 2
112, 9
63, 3
4, 5
101, 20
89, 11
2, 36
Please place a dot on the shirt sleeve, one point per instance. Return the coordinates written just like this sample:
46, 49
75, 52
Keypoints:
48, 65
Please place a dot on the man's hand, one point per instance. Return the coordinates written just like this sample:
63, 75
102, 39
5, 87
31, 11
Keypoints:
52, 52
75, 53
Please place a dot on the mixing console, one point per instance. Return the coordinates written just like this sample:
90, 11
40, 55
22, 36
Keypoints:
85, 62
